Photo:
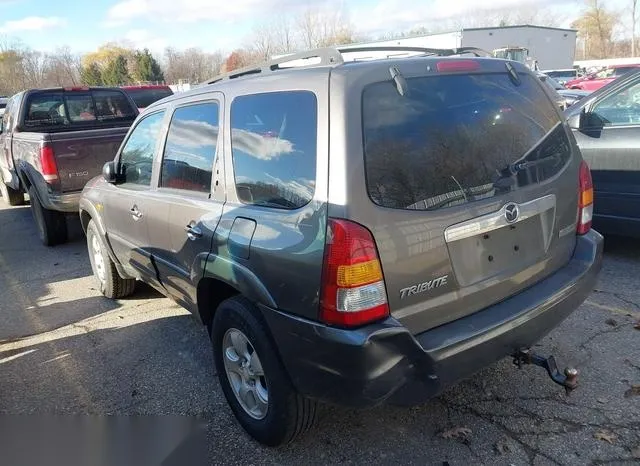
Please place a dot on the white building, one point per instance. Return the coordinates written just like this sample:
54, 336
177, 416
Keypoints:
553, 48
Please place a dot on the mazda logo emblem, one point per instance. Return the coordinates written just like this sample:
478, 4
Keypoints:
511, 212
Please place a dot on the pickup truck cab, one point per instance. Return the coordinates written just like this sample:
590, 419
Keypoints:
52, 141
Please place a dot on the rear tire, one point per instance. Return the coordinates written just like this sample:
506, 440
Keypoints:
288, 414
51, 224
10, 195
112, 285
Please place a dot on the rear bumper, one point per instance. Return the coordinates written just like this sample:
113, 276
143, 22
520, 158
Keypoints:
68, 202
385, 363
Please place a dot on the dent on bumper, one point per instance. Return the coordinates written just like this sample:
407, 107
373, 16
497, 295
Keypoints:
68, 202
384, 362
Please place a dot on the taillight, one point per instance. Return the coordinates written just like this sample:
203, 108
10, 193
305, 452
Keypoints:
48, 165
457, 65
585, 199
353, 291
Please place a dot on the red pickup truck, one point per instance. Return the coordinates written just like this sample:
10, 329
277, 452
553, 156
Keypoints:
593, 82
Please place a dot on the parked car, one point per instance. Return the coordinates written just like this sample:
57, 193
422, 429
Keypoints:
552, 89
606, 126
563, 97
146, 94
593, 82
562, 76
52, 141
3, 104
437, 222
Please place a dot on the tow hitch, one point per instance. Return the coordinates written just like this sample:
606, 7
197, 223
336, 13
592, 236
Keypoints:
569, 380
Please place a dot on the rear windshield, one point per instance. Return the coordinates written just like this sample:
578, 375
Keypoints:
145, 97
458, 138
83, 108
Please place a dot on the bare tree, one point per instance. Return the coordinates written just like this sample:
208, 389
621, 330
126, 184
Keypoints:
596, 27
322, 28
191, 65
634, 4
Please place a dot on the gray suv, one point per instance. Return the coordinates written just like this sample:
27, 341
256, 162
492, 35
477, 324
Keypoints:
356, 233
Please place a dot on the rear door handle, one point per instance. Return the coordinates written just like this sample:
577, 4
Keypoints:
135, 213
193, 232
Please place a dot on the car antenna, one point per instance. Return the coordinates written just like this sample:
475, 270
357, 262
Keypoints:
401, 83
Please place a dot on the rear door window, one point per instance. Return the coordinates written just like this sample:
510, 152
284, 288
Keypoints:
273, 142
453, 139
190, 148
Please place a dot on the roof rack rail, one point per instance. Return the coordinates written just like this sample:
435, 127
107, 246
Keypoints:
333, 56
327, 56
426, 50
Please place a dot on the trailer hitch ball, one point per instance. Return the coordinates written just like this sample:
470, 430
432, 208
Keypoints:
569, 380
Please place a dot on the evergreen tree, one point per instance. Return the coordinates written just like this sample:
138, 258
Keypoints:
147, 67
91, 75
116, 73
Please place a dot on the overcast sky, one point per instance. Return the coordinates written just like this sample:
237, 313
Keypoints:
224, 25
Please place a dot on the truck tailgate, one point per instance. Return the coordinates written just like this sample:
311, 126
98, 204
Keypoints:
80, 155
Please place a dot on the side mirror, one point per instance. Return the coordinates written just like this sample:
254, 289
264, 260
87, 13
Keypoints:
109, 172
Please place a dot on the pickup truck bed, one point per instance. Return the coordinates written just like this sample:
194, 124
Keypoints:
52, 142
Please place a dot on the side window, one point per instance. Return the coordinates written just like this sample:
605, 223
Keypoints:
273, 142
621, 108
136, 157
191, 148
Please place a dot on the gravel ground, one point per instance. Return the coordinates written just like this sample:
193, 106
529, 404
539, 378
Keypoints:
66, 350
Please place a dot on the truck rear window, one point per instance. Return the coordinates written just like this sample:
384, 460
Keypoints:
83, 108
454, 139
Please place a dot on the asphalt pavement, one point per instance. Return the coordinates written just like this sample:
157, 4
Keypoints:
64, 349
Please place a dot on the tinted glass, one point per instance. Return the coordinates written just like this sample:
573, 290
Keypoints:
621, 108
458, 138
145, 97
113, 105
624, 70
87, 108
273, 140
136, 158
191, 148
81, 107
46, 110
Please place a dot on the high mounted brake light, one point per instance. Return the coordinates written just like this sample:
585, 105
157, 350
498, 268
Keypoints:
76, 88
48, 165
457, 65
585, 199
353, 290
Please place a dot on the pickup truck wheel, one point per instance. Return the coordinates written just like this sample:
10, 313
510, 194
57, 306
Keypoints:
253, 379
52, 225
10, 195
112, 285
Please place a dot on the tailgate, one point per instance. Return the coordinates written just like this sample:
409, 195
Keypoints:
80, 155
473, 186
